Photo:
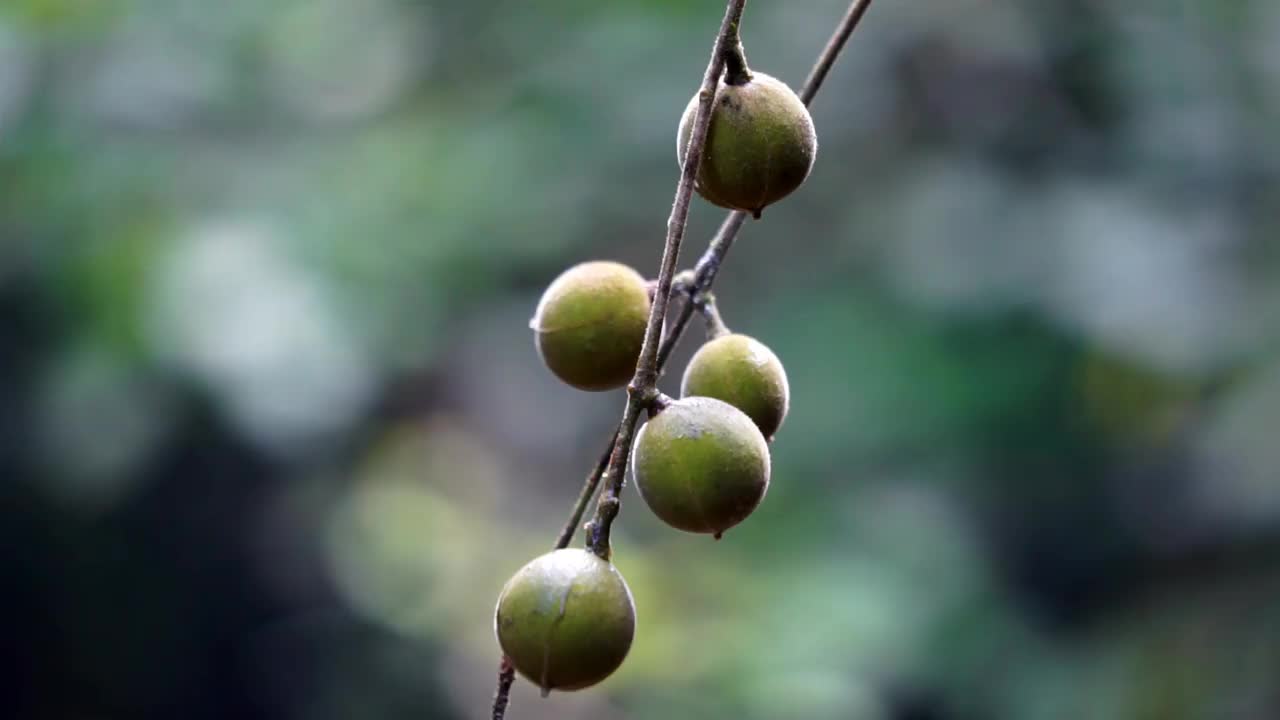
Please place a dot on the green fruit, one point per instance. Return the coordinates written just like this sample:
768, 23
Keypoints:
565, 620
744, 373
760, 144
701, 465
590, 324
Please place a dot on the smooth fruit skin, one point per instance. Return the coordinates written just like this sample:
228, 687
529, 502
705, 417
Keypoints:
566, 620
760, 145
701, 465
590, 324
745, 373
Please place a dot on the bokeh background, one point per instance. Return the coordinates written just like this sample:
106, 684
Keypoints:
273, 431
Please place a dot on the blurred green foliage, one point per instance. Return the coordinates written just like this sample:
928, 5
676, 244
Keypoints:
275, 432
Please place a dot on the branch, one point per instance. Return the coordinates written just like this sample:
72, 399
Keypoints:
709, 264
643, 389
705, 271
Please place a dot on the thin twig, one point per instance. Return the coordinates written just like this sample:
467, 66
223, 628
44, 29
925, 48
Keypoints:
584, 496
709, 264
643, 389
506, 676
827, 59
704, 274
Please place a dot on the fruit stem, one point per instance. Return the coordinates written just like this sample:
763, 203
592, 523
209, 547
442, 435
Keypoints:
736, 71
660, 403
705, 303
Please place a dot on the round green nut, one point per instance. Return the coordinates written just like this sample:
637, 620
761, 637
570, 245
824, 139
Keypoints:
745, 373
565, 620
590, 324
701, 465
760, 145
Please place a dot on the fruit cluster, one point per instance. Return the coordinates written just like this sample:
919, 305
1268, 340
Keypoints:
701, 463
